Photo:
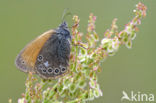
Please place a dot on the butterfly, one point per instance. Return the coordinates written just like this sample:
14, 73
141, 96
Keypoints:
48, 54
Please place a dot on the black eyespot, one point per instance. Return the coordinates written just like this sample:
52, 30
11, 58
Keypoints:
40, 58
63, 69
57, 70
44, 71
50, 70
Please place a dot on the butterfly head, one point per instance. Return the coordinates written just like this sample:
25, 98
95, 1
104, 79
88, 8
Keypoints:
63, 30
64, 25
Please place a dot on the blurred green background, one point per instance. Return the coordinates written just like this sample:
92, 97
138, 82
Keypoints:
129, 70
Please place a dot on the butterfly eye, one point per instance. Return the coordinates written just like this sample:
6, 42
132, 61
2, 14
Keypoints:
63, 69
56, 71
50, 70
40, 58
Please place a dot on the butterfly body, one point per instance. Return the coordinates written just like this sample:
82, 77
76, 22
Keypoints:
47, 55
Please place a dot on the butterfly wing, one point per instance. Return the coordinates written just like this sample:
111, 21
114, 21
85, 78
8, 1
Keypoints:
52, 61
26, 59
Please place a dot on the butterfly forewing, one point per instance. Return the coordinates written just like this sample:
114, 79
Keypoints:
26, 59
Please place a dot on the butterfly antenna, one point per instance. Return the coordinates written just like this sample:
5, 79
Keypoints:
65, 14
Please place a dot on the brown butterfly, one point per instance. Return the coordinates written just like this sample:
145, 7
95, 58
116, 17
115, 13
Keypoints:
47, 55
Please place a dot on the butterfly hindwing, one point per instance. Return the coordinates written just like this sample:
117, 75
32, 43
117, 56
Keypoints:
53, 58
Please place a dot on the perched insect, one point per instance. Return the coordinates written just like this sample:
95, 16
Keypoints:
47, 55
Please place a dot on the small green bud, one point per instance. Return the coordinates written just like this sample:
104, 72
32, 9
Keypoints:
66, 83
72, 87
82, 83
60, 88
83, 51
125, 38
91, 95
96, 93
92, 83
96, 37
63, 94
110, 49
85, 95
133, 35
129, 44
78, 76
